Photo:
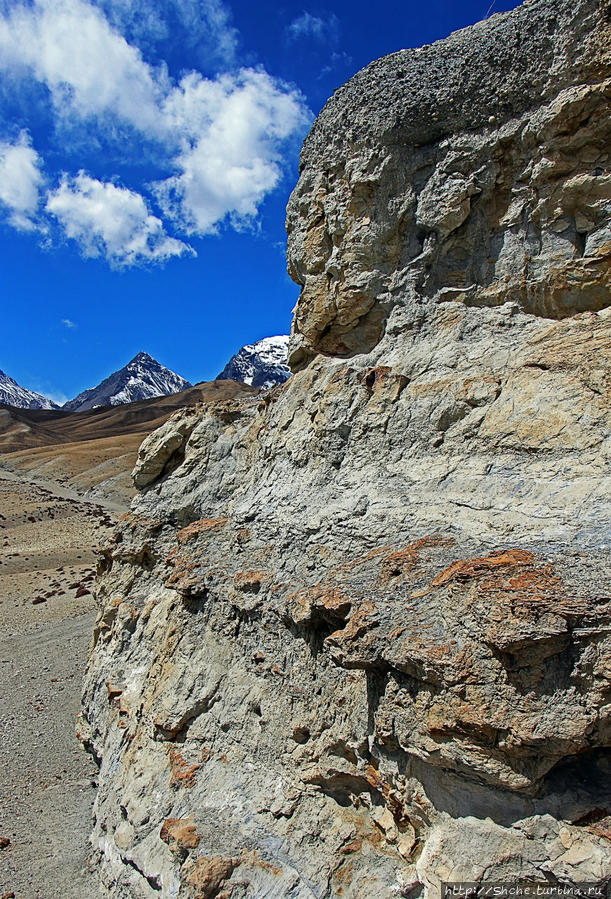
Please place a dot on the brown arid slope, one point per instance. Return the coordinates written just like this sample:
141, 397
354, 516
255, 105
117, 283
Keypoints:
94, 451
354, 639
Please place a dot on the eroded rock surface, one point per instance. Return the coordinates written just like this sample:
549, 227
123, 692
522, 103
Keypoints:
472, 170
354, 636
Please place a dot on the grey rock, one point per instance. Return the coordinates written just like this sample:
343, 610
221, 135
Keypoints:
473, 170
354, 636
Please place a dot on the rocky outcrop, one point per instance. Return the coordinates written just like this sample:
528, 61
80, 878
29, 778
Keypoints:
473, 170
354, 636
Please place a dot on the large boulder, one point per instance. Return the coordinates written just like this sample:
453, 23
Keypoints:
354, 637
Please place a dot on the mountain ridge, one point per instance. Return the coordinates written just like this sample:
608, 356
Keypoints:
13, 394
261, 364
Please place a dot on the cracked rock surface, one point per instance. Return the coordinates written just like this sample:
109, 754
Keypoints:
354, 635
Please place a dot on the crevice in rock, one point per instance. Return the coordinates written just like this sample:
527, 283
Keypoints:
195, 603
593, 817
541, 366
342, 787
580, 243
318, 631
152, 881
377, 681
320, 624
89, 747
582, 780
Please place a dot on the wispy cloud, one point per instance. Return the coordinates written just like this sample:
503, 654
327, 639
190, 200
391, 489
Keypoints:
339, 61
203, 27
110, 221
56, 396
20, 182
324, 30
67, 323
221, 139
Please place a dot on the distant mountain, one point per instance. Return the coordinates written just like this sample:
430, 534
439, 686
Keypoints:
260, 364
141, 379
11, 394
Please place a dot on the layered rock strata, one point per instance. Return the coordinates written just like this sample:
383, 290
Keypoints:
354, 636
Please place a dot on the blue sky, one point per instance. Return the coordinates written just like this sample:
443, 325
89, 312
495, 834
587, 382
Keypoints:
147, 151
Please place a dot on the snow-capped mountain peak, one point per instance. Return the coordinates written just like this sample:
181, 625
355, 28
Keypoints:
260, 364
143, 358
12, 394
141, 379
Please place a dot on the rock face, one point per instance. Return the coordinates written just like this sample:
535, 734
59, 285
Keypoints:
260, 364
141, 379
354, 637
472, 170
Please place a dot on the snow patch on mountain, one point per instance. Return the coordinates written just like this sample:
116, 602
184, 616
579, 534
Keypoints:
260, 364
12, 394
141, 379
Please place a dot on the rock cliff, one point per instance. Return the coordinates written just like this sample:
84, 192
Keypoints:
354, 636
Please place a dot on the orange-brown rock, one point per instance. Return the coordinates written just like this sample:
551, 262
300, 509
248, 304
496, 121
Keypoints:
180, 834
198, 528
182, 774
204, 878
465, 569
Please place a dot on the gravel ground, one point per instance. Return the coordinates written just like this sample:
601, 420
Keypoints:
47, 780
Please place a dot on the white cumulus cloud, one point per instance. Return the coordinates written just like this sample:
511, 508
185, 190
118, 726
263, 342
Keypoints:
88, 67
111, 221
20, 182
221, 139
233, 128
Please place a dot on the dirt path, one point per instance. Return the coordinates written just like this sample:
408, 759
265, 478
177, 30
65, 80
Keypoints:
47, 551
9, 472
